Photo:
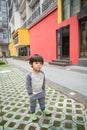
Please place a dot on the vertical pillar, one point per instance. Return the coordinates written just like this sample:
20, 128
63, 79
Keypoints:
59, 16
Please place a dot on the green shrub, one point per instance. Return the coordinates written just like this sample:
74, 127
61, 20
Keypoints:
2, 62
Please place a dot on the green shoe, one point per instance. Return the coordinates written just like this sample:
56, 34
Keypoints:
33, 116
46, 112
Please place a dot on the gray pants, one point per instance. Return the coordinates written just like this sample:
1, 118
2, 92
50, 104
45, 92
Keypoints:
33, 104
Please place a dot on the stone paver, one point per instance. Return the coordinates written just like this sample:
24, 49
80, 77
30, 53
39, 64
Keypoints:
67, 114
73, 78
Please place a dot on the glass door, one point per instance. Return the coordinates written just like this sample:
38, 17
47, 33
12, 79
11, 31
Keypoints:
83, 45
63, 42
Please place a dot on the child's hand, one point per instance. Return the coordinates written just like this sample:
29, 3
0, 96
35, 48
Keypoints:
31, 95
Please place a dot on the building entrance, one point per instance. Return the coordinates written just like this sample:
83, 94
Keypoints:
83, 43
24, 51
63, 43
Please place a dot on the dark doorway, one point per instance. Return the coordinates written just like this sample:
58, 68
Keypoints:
83, 44
63, 42
4, 54
24, 51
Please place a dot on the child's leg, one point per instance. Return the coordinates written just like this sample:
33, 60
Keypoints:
42, 103
42, 106
32, 106
32, 109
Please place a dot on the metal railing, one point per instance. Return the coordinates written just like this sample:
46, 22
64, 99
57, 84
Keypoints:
34, 16
24, 25
47, 6
19, 4
48, 3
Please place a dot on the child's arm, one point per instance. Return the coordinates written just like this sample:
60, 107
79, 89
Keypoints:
28, 84
44, 84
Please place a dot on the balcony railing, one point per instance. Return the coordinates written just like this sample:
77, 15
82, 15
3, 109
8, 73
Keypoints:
48, 3
32, 2
47, 6
24, 25
19, 4
34, 16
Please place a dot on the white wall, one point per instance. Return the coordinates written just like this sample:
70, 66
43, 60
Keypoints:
17, 20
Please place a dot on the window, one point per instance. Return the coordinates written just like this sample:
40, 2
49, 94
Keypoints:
84, 4
3, 3
16, 38
66, 9
23, 51
0, 24
0, 16
70, 7
35, 5
4, 25
75, 7
4, 19
83, 46
4, 9
19, 1
4, 14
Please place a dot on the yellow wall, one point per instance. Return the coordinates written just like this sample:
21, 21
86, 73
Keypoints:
59, 16
23, 39
12, 49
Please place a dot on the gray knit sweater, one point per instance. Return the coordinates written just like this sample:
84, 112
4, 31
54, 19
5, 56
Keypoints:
35, 84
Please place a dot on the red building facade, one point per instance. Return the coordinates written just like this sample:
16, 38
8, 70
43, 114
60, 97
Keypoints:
63, 40
43, 37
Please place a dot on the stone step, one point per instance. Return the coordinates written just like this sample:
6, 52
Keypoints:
60, 62
63, 61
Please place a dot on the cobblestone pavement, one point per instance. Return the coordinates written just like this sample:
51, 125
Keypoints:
67, 114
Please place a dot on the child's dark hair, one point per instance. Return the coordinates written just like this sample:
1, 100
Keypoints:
36, 58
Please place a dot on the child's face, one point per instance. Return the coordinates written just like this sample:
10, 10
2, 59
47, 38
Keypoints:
37, 66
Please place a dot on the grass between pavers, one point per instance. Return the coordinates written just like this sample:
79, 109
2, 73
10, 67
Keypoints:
45, 121
2, 62
4, 66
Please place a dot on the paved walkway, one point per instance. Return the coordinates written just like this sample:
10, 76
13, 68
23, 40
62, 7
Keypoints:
67, 114
72, 79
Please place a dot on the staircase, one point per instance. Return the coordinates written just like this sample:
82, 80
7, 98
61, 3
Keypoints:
57, 62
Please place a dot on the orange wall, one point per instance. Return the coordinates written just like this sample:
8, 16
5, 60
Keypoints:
43, 37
